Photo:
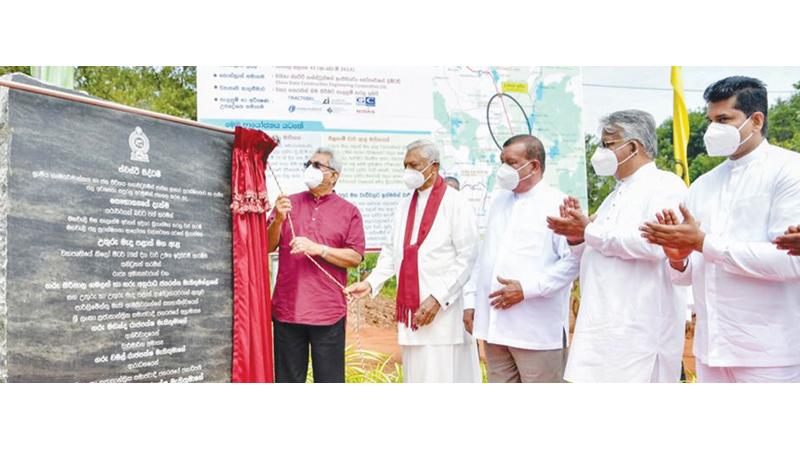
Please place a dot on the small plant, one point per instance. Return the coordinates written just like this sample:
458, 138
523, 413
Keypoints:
366, 366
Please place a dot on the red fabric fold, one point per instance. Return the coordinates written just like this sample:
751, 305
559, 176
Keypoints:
252, 331
408, 282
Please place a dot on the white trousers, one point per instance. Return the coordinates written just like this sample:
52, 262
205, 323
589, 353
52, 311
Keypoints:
786, 374
441, 363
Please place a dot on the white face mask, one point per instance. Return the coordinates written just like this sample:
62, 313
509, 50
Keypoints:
604, 160
413, 179
313, 177
722, 139
508, 177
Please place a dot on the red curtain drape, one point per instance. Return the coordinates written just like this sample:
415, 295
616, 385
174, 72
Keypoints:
252, 327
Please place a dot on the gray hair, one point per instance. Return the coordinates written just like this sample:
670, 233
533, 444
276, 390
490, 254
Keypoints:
427, 148
333, 163
635, 125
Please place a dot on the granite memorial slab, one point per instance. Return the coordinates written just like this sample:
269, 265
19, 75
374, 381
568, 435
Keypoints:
115, 244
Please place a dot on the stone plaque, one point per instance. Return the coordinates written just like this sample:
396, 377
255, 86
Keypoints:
115, 245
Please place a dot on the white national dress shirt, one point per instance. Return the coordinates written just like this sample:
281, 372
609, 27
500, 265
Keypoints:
746, 291
517, 245
631, 320
445, 262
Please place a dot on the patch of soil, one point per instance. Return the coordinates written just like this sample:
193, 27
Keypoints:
379, 312
377, 328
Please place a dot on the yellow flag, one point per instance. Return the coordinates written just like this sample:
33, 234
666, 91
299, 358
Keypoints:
680, 125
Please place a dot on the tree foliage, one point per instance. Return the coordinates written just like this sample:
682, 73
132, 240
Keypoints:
168, 89
165, 89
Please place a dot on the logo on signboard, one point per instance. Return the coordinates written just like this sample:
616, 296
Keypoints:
140, 145
365, 101
292, 108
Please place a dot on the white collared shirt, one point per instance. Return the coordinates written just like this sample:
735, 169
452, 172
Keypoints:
746, 291
518, 245
445, 263
631, 317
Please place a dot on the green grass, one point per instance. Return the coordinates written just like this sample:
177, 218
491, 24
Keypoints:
367, 366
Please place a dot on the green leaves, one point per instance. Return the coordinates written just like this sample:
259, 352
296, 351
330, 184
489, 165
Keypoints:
165, 89
366, 366
784, 122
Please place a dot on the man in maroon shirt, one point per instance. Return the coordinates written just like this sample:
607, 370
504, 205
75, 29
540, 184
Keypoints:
308, 308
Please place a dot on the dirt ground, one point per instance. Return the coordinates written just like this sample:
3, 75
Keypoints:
378, 331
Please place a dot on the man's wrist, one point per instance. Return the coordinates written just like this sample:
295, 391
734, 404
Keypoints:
436, 301
679, 264
698, 246
575, 242
324, 251
369, 285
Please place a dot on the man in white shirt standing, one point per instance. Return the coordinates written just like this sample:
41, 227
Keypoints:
517, 299
630, 326
431, 249
746, 289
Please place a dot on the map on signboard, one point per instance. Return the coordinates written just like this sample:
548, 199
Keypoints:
369, 114
551, 99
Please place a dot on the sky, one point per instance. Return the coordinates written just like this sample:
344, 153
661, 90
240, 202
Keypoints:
598, 101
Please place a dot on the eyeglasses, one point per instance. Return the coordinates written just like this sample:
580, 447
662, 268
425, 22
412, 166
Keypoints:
318, 165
